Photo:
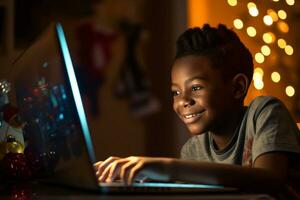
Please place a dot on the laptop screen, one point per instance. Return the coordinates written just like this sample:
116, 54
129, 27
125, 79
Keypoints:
49, 100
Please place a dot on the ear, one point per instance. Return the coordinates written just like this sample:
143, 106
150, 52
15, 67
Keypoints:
240, 84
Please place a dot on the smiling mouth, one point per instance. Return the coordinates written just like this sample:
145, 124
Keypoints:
189, 118
191, 115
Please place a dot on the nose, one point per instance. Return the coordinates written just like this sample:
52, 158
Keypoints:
187, 101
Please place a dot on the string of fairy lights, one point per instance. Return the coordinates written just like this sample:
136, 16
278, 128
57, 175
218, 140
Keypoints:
269, 39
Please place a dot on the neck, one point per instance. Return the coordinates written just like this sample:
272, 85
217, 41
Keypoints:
225, 132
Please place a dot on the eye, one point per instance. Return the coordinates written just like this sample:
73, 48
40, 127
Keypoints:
196, 87
174, 93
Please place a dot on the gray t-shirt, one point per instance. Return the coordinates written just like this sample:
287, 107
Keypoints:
266, 126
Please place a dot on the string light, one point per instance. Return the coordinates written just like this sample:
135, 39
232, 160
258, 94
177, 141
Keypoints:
253, 11
275, 76
259, 84
289, 50
232, 2
258, 73
283, 26
238, 23
282, 14
269, 37
268, 20
251, 31
257, 78
259, 70
290, 91
273, 14
281, 43
290, 2
266, 50
259, 58
251, 5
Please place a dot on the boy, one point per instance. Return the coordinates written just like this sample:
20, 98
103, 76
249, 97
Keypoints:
232, 145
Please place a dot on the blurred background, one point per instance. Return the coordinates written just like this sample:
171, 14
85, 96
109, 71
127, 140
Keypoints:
123, 51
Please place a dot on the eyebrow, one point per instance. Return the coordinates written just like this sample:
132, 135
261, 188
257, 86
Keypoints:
192, 79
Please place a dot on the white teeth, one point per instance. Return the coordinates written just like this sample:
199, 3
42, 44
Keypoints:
190, 116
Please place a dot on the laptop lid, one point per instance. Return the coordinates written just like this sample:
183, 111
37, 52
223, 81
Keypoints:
47, 94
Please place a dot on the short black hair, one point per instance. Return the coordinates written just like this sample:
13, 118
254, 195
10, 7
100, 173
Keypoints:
221, 45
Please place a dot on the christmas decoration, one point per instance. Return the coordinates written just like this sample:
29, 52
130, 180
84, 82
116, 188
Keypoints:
11, 145
11, 134
20, 192
15, 167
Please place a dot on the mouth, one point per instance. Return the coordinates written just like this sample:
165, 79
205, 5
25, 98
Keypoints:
192, 117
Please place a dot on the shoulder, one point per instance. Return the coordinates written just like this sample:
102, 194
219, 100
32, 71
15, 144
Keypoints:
262, 101
267, 111
272, 126
263, 104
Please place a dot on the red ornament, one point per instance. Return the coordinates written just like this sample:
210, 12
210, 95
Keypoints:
20, 192
15, 167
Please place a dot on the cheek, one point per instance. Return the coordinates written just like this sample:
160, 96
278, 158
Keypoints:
175, 106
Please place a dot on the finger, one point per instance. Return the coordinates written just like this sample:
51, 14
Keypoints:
114, 172
102, 166
104, 174
111, 170
96, 165
125, 169
133, 173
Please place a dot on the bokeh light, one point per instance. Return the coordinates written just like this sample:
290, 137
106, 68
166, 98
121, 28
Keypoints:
258, 73
238, 24
282, 14
289, 50
253, 11
268, 20
265, 49
273, 14
259, 58
290, 91
232, 2
290, 2
269, 37
259, 70
251, 31
259, 84
251, 5
275, 76
283, 26
281, 43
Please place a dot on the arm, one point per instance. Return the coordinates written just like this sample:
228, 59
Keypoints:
267, 175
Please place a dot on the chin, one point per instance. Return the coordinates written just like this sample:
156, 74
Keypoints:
196, 130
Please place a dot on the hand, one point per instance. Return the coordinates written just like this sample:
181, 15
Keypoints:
128, 169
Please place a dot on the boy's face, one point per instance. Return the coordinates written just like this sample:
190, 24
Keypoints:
201, 96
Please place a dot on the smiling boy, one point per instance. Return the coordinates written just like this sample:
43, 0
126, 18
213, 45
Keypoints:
253, 147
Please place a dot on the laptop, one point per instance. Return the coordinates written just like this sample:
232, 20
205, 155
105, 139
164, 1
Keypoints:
57, 132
